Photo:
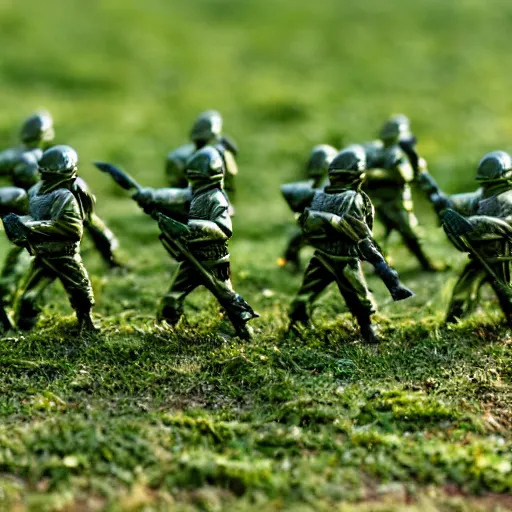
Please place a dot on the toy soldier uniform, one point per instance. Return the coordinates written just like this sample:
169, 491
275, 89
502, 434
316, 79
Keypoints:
388, 181
18, 164
316, 173
52, 232
338, 225
206, 130
480, 223
204, 257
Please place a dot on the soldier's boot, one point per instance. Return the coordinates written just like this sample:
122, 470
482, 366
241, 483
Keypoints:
27, 315
299, 317
85, 322
242, 330
169, 314
413, 244
6, 323
368, 330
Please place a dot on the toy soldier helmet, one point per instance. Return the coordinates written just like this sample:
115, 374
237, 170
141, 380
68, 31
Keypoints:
207, 126
395, 128
352, 159
319, 160
205, 165
59, 160
38, 127
494, 166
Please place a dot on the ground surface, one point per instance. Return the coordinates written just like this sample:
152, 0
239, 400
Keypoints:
140, 418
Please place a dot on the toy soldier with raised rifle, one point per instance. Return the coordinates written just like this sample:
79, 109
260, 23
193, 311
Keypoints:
316, 174
389, 175
19, 164
206, 130
480, 223
338, 224
51, 232
200, 244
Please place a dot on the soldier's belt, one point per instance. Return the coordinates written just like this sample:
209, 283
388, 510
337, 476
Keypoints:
54, 249
337, 249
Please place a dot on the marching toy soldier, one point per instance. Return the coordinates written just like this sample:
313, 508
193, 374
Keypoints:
480, 223
52, 232
36, 134
316, 172
338, 224
392, 164
206, 130
200, 245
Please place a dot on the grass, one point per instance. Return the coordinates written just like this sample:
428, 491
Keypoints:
139, 418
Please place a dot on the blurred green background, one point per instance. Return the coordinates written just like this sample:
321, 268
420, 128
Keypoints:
125, 79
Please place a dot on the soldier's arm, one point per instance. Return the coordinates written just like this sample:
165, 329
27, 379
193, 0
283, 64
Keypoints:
86, 199
173, 202
395, 176
65, 222
486, 227
465, 204
231, 170
217, 227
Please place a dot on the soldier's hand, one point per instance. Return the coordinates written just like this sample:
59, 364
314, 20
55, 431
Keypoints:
15, 229
441, 202
144, 197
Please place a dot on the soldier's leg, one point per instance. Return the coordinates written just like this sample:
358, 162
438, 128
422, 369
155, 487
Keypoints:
352, 285
503, 293
465, 292
237, 309
38, 277
388, 224
75, 279
316, 279
405, 223
104, 239
15, 267
183, 282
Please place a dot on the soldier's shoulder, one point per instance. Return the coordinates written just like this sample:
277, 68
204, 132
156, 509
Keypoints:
218, 196
35, 153
10, 155
80, 186
229, 144
506, 197
181, 154
34, 190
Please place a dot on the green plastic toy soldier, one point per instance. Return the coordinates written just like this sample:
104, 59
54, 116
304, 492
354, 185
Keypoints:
389, 175
338, 224
12, 200
317, 167
206, 130
200, 245
16, 163
480, 223
52, 232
